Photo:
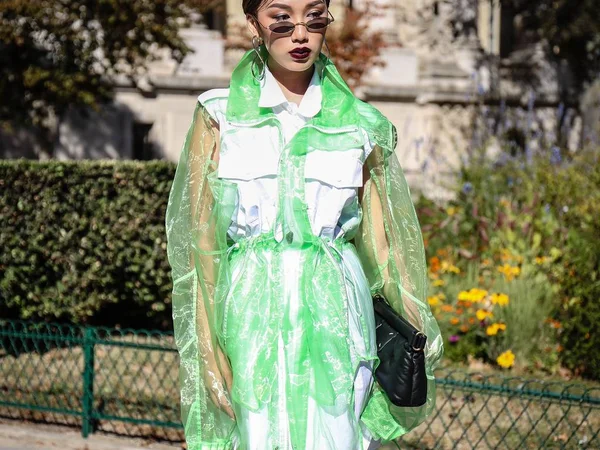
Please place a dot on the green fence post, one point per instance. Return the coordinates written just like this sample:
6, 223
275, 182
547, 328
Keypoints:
88, 381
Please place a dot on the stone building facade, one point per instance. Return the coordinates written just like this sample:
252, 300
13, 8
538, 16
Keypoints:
444, 59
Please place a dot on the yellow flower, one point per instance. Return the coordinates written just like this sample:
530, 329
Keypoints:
542, 259
449, 267
483, 314
499, 299
506, 359
434, 300
475, 295
451, 211
492, 330
438, 283
509, 271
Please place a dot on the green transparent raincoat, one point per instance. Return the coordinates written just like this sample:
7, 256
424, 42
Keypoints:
218, 337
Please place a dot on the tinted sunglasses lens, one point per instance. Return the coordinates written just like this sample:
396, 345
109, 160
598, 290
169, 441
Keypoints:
282, 27
317, 24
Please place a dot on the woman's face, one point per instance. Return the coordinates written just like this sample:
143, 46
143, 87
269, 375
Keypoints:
296, 50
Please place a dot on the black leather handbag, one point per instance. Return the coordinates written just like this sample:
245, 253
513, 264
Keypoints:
400, 348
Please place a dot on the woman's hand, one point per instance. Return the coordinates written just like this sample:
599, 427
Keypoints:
218, 380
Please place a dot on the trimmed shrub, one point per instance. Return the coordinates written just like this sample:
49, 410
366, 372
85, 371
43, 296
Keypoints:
84, 242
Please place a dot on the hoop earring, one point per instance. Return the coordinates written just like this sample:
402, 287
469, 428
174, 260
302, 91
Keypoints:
256, 43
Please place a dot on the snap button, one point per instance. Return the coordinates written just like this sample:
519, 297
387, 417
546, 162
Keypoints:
289, 237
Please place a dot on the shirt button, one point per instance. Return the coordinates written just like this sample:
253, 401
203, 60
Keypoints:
289, 237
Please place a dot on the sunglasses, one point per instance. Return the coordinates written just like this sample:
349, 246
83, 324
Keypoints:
286, 28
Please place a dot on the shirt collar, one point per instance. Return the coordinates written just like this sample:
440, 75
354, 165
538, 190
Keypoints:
271, 94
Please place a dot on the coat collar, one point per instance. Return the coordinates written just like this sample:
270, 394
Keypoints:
337, 102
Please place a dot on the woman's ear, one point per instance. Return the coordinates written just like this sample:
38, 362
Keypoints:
252, 26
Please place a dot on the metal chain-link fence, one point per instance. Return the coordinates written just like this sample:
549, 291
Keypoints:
125, 382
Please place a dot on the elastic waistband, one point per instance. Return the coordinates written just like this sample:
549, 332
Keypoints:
267, 240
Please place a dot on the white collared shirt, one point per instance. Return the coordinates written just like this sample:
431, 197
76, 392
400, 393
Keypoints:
291, 116
332, 178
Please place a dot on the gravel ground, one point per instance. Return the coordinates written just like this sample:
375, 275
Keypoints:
27, 436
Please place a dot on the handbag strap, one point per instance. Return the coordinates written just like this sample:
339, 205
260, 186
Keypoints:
415, 337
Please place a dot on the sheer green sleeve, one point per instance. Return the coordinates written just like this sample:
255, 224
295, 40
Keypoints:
196, 248
391, 249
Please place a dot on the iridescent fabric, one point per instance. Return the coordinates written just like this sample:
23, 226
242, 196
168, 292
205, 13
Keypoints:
242, 306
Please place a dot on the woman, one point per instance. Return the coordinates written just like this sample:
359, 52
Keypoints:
288, 211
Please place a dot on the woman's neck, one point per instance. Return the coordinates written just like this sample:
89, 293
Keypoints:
293, 84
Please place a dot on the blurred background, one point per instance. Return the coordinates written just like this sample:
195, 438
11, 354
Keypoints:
497, 106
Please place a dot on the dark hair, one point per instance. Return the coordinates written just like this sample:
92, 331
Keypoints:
251, 6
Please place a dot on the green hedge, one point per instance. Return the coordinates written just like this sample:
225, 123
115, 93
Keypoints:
574, 192
84, 242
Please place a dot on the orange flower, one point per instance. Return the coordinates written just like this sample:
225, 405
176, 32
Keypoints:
459, 310
454, 321
434, 264
554, 323
447, 308
443, 252
464, 328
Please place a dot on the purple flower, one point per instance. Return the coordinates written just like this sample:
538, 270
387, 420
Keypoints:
560, 110
555, 157
467, 188
453, 339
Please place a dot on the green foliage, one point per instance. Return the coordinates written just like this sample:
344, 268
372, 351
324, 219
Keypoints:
56, 53
570, 30
85, 242
574, 193
530, 334
536, 219
466, 306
